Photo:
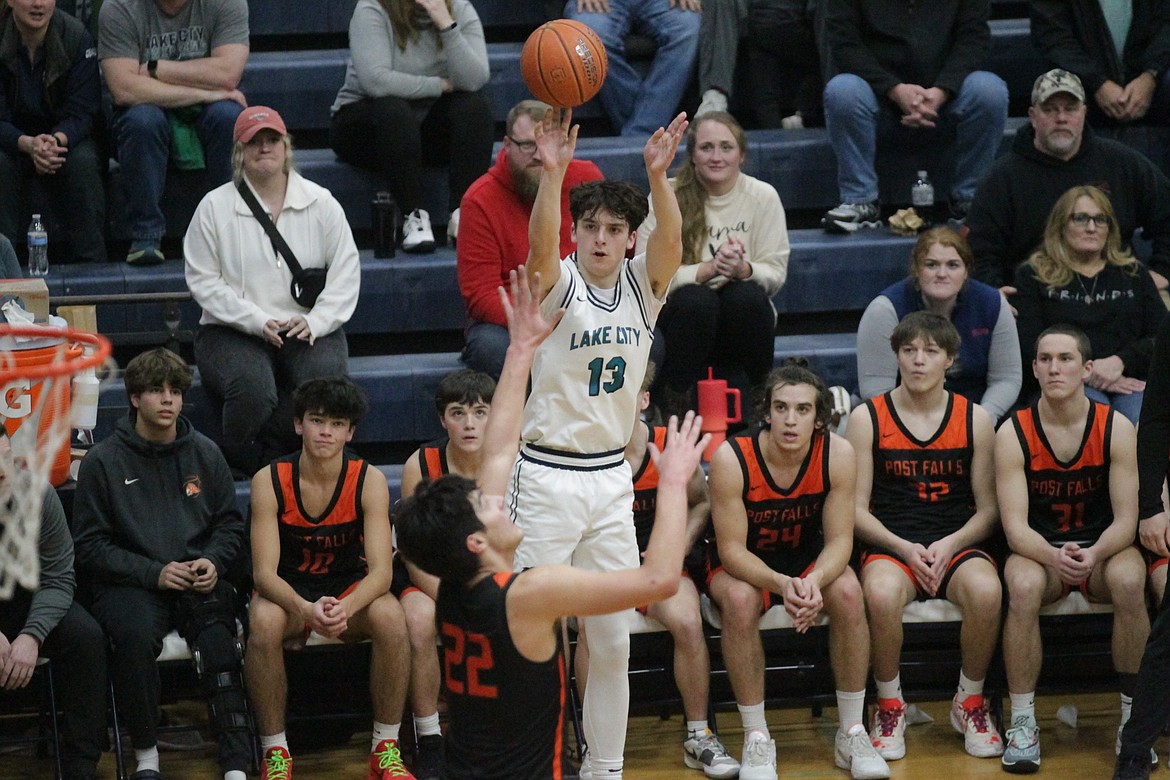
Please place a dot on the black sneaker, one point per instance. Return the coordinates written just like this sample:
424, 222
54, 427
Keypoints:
1132, 768
851, 217
428, 761
144, 253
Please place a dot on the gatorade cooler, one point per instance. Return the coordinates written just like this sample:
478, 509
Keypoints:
21, 399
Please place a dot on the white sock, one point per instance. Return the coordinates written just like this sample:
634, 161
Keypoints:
384, 731
427, 726
850, 709
235, 774
968, 687
1126, 707
696, 729
754, 721
891, 689
276, 740
147, 759
1023, 704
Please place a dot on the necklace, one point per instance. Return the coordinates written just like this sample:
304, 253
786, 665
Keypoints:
1089, 293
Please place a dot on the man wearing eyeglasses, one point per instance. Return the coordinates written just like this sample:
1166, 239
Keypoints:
1053, 153
493, 232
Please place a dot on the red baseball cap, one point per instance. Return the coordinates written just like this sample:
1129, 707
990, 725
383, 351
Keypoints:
254, 119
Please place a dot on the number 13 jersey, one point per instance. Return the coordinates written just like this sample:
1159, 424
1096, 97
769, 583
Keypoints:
587, 374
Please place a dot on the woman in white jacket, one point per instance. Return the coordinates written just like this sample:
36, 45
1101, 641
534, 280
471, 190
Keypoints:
256, 343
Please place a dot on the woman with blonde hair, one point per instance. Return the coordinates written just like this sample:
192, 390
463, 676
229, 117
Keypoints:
1081, 276
719, 312
987, 367
417, 69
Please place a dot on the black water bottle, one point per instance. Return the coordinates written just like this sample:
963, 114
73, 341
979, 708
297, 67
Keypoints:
384, 220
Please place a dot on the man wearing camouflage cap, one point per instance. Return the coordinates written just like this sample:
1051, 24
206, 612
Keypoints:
1055, 152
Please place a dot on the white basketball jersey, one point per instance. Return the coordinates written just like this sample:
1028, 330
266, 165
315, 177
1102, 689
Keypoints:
587, 374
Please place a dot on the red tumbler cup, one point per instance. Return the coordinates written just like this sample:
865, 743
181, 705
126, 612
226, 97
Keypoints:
713, 395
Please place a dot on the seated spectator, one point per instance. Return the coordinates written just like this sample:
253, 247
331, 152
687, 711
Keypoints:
719, 308
720, 29
156, 529
1120, 51
784, 63
463, 402
50, 101
987, 368
493, 233
638, 106
1066, 470
1056, 151
1080, 276
173, 67
321, 562
925, 513
416, 70
48, 622
680, 614
256, 341
782, 505
908, 69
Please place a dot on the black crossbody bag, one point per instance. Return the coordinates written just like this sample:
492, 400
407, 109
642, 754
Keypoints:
307, 283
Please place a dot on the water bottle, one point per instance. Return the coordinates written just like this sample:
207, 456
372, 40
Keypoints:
922, 197
384, 221
38, 247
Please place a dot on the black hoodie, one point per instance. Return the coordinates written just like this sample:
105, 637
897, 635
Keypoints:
1007, 217
141, 505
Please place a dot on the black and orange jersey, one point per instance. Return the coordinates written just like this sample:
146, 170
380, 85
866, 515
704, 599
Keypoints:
922, 489
506, 712
328, 546
784, 525
432, 459
646, 490
1068, 501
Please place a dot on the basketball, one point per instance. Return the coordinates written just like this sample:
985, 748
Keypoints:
563, 63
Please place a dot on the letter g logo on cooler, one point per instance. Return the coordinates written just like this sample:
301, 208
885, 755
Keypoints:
15, 399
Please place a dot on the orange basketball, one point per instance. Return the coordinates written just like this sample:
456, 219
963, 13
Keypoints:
563, 63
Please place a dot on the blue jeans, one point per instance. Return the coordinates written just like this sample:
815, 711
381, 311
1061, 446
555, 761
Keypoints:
144, 149
1130, 406
636, 106
487, 343
854, 117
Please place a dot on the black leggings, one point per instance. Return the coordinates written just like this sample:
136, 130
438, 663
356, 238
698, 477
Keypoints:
385, 135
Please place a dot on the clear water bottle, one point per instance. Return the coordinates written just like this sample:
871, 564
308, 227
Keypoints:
922, 196
38, 247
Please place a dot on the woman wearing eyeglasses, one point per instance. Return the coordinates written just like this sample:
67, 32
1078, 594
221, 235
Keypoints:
1080, 276
413, 93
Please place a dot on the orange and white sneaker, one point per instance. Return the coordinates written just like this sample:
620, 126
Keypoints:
888, 733
386, 762
276, 764
971, 719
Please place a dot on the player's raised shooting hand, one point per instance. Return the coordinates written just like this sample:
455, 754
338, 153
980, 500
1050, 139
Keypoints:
684, 447
556, 138
527, 327
660, 149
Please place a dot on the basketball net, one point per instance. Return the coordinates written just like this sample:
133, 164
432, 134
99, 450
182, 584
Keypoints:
38, 365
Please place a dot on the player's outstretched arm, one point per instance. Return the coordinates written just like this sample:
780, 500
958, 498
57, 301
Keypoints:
1012, 497
556, 139
527, 328
664, 246
545, 593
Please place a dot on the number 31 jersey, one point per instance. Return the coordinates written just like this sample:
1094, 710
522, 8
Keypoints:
587, 373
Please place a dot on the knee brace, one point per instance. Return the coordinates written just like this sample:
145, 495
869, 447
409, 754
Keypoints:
216, 653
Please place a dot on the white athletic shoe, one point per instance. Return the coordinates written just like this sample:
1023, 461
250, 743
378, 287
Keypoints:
416, 232
453, 228
856, 753
713, 100
971, 719
888, 734
1117, 746
759, 760
707, 753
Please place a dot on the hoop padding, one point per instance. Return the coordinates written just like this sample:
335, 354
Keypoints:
37, 367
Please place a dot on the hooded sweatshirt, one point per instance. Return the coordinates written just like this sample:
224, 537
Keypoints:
141, 505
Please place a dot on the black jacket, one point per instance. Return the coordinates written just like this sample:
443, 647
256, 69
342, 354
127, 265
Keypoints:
1074, 36
932, 43
1007, 217
62, 92
141, 505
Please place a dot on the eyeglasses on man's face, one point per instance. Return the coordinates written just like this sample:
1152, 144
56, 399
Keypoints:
1081, 219
525, 147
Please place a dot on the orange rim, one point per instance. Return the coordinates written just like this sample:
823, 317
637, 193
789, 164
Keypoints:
65, 367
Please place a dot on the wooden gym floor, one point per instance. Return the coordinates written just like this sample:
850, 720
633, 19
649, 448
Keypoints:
804, 747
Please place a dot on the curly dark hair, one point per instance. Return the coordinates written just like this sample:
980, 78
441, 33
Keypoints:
333, 396
620, 198
795, 371
432, 527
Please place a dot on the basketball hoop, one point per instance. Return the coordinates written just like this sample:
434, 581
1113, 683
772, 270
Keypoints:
38, 365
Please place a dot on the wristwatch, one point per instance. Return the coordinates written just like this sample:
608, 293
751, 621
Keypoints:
152, 68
